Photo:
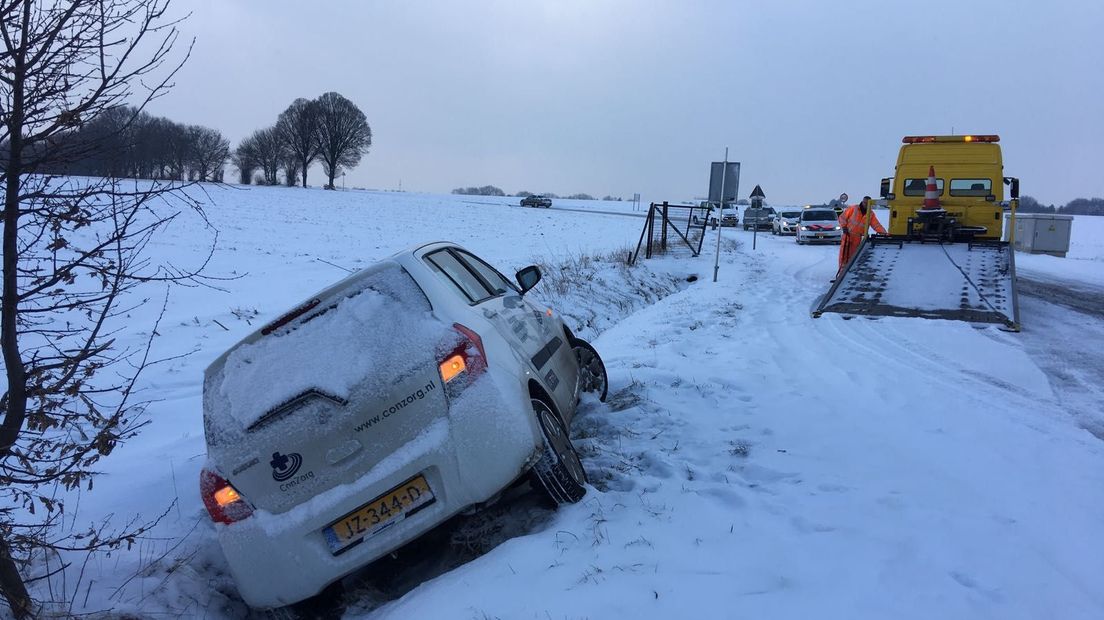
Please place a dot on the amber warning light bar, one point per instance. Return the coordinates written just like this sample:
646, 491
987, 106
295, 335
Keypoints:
930, 139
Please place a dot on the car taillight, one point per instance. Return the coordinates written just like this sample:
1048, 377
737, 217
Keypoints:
222, 500
460, 366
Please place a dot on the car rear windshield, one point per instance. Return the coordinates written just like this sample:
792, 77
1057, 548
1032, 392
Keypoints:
818, 216
791, 214
358, 338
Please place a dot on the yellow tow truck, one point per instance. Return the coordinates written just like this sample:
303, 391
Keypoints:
944, 256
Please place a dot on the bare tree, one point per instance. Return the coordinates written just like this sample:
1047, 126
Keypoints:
271, 153
245, 160
72, 257
158, 136
298, 127
178, 151
343, 134
290, 166
209, 151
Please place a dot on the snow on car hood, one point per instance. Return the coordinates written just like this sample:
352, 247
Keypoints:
363, 334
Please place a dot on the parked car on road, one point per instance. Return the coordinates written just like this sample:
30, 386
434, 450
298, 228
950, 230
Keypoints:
728, 216
785, 222
758, 217
818, 225
536, 201
414, 389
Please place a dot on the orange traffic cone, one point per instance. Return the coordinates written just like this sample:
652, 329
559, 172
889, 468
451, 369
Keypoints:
931, 192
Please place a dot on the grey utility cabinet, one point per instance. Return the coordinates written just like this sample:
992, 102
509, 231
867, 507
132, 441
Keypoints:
1041, 233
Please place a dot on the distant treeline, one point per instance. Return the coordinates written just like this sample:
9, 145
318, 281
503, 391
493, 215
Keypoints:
1077, 206
491, 190
486, 190
125, 142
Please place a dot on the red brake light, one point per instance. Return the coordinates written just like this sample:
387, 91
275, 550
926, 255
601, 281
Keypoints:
221, 499
467, 360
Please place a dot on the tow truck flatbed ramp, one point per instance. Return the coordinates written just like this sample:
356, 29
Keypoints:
888, 276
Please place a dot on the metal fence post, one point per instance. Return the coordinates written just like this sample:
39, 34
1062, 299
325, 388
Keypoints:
663, 232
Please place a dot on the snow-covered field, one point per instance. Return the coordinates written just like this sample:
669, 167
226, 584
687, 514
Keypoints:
750, 461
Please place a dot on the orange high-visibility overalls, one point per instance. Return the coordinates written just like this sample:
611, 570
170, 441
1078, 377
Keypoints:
853, 223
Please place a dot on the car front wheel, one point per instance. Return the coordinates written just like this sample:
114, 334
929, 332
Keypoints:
592, 370
559, 472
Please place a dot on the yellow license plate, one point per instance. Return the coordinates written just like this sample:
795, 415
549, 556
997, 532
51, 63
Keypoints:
378, 514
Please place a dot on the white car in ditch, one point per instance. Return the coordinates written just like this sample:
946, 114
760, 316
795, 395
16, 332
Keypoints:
414, 389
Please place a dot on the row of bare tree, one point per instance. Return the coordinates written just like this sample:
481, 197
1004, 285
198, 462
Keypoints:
125, 142
330, 129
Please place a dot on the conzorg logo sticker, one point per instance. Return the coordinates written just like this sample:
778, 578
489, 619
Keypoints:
285, 467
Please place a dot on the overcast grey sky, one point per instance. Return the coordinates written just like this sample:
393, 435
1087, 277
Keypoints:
616, 97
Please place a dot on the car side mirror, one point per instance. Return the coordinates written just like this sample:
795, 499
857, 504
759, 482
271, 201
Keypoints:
1015, 183
885, 188
528, 277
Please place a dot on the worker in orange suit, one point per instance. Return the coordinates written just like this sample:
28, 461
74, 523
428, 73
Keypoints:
853, 224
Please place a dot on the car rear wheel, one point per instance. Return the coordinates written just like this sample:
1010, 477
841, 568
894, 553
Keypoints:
592, 370
559, 472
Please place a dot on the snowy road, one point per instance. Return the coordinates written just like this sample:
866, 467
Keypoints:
1080, 296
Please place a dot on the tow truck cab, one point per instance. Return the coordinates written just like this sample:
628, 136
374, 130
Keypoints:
969, 178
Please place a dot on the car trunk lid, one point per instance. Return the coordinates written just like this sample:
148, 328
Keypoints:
316, 400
